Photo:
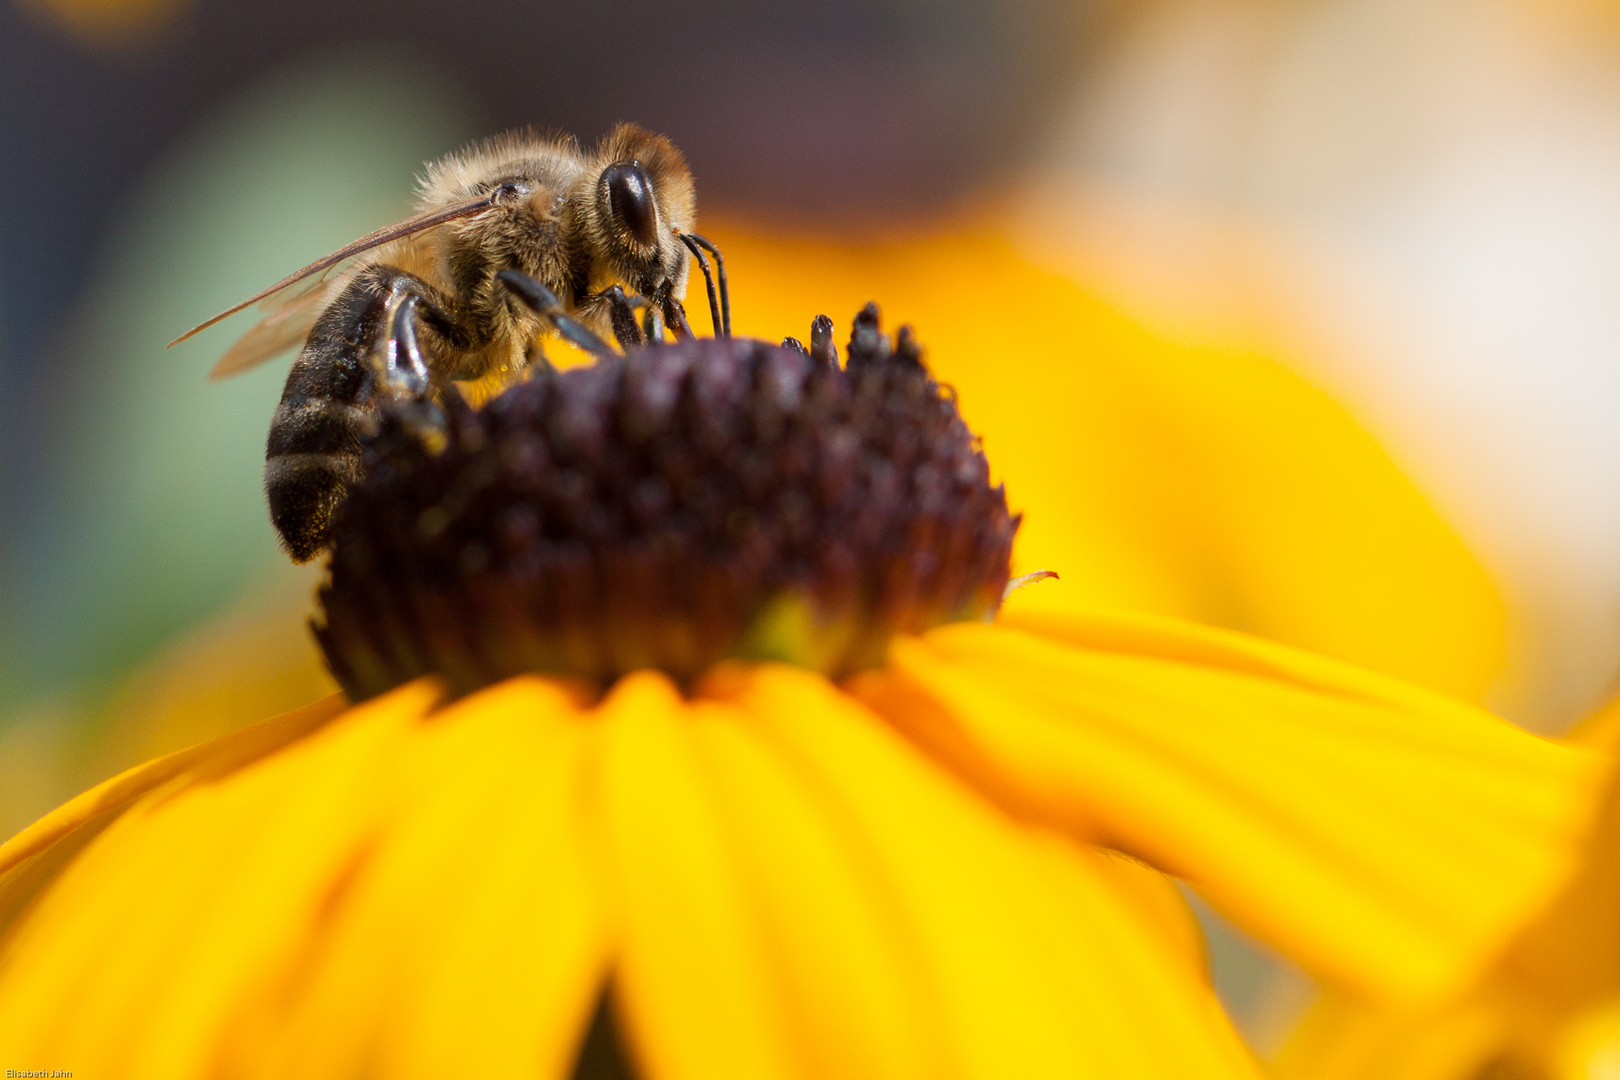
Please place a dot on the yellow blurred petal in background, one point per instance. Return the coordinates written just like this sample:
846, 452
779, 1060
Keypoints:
257, 659
1156, 476
1546, 1007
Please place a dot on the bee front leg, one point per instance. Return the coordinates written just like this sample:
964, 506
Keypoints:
541, 300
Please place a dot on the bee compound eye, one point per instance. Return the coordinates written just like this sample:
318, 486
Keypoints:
630, 197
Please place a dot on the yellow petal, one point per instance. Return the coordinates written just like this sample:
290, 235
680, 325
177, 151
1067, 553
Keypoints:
843, 953
1588, 1048
473, 935
1382, 836
1155, 897
134, 959
523, 957
1038, 964
694, 980
1568, 958
213, 758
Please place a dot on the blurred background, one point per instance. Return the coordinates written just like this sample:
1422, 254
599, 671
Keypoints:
1336, 284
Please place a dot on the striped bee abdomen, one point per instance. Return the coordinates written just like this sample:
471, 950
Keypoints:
314, 449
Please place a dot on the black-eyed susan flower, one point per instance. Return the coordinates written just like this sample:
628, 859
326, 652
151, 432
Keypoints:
683, 728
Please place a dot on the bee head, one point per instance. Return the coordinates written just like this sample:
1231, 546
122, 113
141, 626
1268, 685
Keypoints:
643, 200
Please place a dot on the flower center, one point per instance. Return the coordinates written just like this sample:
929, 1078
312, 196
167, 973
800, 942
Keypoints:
684, 504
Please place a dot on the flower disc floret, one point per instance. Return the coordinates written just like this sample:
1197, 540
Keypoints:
683, 504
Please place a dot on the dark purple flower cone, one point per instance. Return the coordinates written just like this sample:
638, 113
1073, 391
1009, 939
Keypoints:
684, 504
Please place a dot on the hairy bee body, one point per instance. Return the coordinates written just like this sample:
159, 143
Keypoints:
590, 237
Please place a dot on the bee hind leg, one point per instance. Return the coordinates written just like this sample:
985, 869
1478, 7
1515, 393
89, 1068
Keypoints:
363, 354
405, 378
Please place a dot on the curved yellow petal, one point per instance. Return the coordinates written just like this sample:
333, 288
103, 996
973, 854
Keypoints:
1383, 837
136, 958
472, 935
212, 758
1039, 965
695, 979
1143, 634
522, 959
1200, 481
1154, 896
858, 1000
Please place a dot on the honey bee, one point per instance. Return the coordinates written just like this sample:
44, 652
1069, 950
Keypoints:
516, 238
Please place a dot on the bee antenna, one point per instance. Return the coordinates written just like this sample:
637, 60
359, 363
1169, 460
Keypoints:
720, 271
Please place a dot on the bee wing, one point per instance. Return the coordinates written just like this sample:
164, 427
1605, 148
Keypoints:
287, 324
425, 220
